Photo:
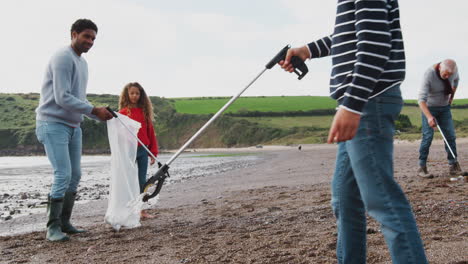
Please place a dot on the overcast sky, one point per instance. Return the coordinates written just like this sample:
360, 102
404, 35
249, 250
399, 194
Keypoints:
209, 47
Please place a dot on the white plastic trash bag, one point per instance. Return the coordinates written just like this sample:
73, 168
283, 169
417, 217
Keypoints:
124, 205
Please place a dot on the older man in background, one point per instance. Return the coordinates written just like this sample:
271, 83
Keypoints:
435, 97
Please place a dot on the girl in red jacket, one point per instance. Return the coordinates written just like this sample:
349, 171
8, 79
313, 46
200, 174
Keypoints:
135, 104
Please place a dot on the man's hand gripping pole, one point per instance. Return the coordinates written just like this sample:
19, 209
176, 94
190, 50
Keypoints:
300, 68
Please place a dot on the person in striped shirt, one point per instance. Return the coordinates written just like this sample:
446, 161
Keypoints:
368, 61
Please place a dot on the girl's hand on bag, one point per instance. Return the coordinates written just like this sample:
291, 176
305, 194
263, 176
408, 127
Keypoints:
152, 161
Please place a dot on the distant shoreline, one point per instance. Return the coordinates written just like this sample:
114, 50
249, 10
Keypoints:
39, 151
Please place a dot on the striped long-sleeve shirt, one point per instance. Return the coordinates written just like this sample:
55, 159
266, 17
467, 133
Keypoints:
367, 51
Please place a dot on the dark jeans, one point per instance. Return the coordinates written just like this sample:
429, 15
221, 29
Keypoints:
443, 116
142, 162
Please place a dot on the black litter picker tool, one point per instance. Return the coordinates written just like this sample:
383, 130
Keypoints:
154, 184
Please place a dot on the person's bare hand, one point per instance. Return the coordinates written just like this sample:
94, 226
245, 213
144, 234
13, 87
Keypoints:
432, 121
301, 52
102, 113
344, 126
152, 160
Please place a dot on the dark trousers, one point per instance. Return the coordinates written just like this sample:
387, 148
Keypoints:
142, 162
443, 116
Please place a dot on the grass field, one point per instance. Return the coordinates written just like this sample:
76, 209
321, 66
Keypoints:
455, 102
262, 104
412, 112
292, 121
207, 105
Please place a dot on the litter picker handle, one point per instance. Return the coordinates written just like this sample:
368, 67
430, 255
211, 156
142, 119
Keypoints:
112, 112
300, 68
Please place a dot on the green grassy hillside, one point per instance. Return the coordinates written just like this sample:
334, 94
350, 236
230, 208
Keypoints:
324, 121
414, 113
18, 110
250, 121
292, 121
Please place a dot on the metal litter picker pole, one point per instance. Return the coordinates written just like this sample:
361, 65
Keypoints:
158, 178
445, 140
213, 118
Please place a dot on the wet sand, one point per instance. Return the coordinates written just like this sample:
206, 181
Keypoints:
277, 211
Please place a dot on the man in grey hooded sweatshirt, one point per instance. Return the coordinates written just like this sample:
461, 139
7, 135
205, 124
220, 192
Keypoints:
58, 116
435, 97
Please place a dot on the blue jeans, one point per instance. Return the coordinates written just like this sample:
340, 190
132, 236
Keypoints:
62, 144
363, 181
443, 116
142, 162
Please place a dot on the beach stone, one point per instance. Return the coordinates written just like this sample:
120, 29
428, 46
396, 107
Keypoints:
24, 196
274, 209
